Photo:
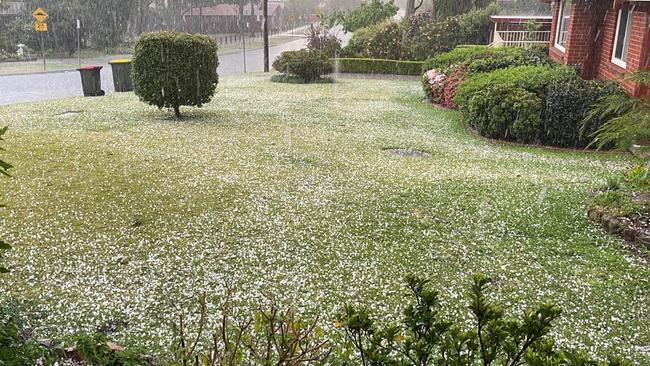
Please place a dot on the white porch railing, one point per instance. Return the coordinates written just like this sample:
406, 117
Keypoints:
520, 38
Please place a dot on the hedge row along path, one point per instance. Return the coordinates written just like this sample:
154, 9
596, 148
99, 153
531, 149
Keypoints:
119, 214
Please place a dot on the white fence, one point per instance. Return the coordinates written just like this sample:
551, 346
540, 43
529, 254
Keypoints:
520, 38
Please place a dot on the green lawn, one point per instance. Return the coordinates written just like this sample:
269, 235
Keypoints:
121, 213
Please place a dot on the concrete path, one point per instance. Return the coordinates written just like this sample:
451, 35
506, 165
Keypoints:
43, 86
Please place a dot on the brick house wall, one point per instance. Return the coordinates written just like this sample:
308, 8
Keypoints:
590, 40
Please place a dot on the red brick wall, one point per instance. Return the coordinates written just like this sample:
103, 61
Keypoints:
591, 40
637, 53
553, 52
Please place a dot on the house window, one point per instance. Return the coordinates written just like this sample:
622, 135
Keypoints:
564, 16
622, 38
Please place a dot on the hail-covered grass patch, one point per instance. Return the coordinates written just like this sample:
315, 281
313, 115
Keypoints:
120, 215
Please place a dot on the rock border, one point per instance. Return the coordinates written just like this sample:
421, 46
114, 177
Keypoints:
616, 226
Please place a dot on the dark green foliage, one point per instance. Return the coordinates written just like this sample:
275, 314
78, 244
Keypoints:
446, 8
627, 120
511, 58
292, 79
173, 69
567, 104
381, 41
375, 66
427, 39
505, 112
368, 13
534, 79
485, 59
321, 38
94, 350
459, 55
525, 7
424, 337
420, 36
305, 64
16, 346
510, 103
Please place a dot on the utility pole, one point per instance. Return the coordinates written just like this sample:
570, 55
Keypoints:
265, 30
243, 41
79, 41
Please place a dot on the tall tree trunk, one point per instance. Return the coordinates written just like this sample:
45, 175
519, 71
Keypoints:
201, 18
410, 8
265, 30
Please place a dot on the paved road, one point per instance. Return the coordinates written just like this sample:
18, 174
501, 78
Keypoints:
35, 87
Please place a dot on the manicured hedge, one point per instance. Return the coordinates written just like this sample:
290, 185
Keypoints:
532, 104
505, 112
173, 69
378, 66
485, 59
567, 105
534, 79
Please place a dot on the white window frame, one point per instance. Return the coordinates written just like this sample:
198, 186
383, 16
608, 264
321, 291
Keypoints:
560, 19
628, 26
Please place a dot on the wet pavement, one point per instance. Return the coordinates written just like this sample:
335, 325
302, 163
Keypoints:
54, 85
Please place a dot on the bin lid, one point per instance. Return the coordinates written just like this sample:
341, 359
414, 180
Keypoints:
90, 67
120, 61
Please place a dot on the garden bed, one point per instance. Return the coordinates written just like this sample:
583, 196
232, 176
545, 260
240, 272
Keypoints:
624, 213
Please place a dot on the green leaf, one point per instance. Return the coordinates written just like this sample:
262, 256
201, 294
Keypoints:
4, 245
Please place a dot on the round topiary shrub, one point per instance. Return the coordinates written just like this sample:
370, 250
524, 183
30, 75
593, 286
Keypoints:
307, 65
174, 69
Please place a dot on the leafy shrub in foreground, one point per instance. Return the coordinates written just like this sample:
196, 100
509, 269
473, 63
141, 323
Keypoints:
567, 104
425, 338
305, 64
269, 336
16, 346
377, 66
174, 69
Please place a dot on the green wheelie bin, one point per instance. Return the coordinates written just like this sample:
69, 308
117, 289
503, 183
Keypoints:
91, 80
122, 75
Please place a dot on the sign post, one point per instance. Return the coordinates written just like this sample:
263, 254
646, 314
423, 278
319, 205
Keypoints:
79, 41
41, 27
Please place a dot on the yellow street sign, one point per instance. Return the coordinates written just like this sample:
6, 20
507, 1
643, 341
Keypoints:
40, 27
40, 15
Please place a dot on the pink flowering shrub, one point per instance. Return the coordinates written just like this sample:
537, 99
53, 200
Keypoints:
454, 79
433, 82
